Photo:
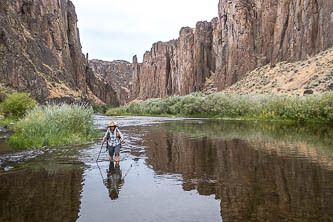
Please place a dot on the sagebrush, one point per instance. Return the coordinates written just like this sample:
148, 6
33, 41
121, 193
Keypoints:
267, 107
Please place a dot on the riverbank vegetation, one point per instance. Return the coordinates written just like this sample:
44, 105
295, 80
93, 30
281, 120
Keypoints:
15, 106
54, 125
101, 108
316, 108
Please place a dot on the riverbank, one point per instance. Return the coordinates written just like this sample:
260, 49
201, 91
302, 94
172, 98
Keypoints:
8, 122
54, 125
312, 108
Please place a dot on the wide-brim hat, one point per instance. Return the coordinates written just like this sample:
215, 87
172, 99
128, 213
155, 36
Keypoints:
112, 124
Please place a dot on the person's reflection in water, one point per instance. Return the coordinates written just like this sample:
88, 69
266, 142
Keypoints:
114, 180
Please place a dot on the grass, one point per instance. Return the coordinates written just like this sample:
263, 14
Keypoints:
8, 121
54, 125
314, 108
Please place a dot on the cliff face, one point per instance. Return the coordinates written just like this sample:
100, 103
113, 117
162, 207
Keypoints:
311, 76
178, 67
40, 47
247, 34
253, 33
40, 51
115, 75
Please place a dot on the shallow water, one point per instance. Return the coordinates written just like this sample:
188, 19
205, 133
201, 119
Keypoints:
177, 170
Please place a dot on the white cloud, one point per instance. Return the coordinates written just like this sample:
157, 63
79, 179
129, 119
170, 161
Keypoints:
119, 29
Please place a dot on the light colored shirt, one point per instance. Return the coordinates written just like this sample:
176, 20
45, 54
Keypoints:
113, 139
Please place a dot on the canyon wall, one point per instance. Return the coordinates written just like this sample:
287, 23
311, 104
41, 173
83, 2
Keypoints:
40, 47
40, 51
115, 75
246, 34
254, 33
177, 67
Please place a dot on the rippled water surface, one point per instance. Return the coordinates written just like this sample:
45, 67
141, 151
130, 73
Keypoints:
176, 170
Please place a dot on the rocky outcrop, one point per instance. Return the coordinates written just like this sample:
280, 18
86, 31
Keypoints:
101, 89
246, 35
177, 67
40, 48
311, 76
254, 33
114, 80
40, 52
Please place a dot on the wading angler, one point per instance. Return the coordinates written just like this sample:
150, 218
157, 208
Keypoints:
114, 139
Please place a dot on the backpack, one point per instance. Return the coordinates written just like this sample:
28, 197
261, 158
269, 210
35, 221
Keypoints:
117, 133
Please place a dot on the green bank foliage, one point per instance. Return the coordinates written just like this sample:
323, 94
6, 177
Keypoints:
101, 108
54, 125
17, 104
266, 107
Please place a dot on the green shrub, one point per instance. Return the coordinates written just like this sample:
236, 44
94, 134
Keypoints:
17, 104
54, 125
308, 108
134, 108
191, 104
101, 108
325, 106
116, 111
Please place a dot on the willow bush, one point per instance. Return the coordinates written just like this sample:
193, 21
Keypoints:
266, 107
17, 104
54, 125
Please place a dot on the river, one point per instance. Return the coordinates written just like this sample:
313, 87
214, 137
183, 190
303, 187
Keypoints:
175, 169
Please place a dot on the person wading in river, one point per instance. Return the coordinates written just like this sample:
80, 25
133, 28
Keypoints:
114, 139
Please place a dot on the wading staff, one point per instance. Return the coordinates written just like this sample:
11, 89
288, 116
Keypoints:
127, 172
100, 172
100, 152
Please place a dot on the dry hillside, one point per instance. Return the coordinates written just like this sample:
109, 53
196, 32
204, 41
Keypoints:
312, 76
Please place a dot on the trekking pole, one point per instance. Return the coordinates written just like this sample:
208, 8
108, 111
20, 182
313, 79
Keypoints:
100, 172
100, 152
127, 172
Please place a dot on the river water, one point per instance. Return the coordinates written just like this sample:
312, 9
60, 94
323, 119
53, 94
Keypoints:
177, 170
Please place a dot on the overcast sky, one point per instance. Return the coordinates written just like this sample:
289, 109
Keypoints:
119, 29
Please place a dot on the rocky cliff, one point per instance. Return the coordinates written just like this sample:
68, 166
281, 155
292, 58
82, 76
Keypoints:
177, 67
40, 51
254, 33
116, 76
311, 76
246, 35
40, 47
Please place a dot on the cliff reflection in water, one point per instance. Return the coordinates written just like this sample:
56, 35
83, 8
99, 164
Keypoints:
41, 194
261, 172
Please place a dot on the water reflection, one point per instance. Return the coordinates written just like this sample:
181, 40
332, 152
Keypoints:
260, 175
41, 194
238, 171
114, 180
